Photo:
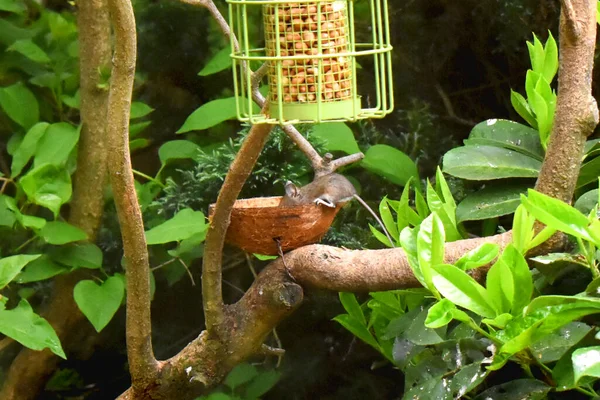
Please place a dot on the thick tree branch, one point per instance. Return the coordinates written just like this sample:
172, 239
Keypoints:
142, 364
569, 15
576, 109
213, 248
29, 370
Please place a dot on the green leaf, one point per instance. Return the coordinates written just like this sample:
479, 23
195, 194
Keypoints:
522, 228
11, 266
509, 135
240, 374
390, 163
586, 362
430, 247
99, 303
586, 202
57, 232
542, 114
337, 136
72, 101
388, 219
445, 212
261, 384
440, 314
461, 289
530, 389
380, 236
521, 276
210, 114
589, 172
536, 54
219, 62
487, 162
27, 148
491, 201
522, 108
39, 270
500, 286
14, 6
30, 50
7, 216
550, 59
557, 214
47, 186
352, 307
20, 104
139, 110
177, 149
84, 255
56, 145
138, 144
183, 225
29, 329
137, 128
478, 257
358, 329
552, 347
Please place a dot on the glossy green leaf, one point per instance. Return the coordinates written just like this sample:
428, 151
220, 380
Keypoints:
422, 335
430, 247
7, 216
556, 214
555, 345
443, 190
440, 314
388, 219
445, 212
522, 228
463, 290
183, 225
137, 128
390, 163
84, 255
530, 389
489, 162
357, 329
57, 232
177, 149
586, 362
139, 143
210, 114
39, 270
408, 241
29, 329
47, 186
30, 50
99, 303
337, 136
219, 62
478, 257
12, 265
509, 135
380, 236
27, 148
20, 104
536, 54
56, 145
491, 201
521, 106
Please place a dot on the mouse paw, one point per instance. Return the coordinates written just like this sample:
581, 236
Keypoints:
324, 202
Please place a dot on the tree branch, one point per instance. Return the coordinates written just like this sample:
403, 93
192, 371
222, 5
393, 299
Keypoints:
29, 370
569, 15
239, 171
142, 364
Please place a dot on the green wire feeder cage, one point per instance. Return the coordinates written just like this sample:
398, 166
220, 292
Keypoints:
311, 52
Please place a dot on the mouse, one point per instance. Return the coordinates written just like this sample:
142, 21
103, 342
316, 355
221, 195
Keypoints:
329, 191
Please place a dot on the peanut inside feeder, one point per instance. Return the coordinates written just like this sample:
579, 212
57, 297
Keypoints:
314, 72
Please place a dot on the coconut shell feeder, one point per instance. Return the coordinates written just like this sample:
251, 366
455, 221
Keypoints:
258, 224
311, 53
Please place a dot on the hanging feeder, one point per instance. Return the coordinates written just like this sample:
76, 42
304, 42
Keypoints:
311, 51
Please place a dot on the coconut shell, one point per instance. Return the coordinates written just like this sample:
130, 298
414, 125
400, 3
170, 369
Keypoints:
256, 224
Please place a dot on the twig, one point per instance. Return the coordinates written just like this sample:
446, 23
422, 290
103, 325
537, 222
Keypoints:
187, 270
143, 366
450, 108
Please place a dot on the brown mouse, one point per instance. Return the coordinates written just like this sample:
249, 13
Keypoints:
328, 190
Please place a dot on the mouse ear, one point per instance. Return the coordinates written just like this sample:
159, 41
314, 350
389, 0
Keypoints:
291, 190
